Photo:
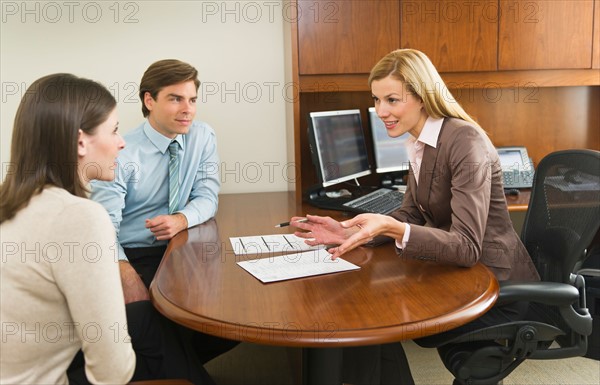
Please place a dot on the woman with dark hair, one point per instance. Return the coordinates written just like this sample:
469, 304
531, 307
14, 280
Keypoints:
60, 287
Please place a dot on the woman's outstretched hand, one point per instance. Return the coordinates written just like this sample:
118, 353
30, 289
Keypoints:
369, 226
320, 230
347, 235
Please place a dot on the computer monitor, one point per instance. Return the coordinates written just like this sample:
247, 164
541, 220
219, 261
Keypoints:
337, 144
391, 154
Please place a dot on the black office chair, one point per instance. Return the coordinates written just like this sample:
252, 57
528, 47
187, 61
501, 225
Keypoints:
561, 221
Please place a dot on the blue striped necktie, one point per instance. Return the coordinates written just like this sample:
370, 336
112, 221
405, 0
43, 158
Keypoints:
173, 177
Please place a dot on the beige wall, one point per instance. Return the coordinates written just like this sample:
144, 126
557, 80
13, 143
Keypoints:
239, 48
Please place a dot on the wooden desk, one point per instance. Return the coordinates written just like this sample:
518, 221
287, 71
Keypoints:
389, 299
519, 203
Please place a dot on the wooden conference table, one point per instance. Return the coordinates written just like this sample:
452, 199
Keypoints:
389, 299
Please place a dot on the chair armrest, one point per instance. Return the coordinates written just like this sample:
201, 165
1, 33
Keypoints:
548, 293
590, 272
557, 294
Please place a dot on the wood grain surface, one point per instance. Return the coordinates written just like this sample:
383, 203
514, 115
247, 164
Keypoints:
200, 285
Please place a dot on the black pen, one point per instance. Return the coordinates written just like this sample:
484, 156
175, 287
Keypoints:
284, 224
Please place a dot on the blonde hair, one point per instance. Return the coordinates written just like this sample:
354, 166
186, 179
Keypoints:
420, 77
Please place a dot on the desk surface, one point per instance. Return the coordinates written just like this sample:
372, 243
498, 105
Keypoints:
389, 299
520, 202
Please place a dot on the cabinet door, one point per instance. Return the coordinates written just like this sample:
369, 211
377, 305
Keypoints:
545, 34
344, 37
456, 35
596, 36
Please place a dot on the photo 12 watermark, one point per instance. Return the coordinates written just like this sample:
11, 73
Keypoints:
55, 252
250, 172
60, 331
52, 12
247, 92
317, 331
253, 12
470, 11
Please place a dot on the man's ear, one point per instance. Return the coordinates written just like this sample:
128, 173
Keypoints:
148, 101
82, 144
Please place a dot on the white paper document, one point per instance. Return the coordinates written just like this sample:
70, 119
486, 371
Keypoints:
266, 244
290, 266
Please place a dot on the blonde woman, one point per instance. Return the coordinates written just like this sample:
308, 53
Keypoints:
454, 210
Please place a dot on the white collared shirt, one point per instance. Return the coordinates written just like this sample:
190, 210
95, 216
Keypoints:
429, 136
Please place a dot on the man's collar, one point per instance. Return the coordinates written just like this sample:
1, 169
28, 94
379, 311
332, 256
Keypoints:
160, 141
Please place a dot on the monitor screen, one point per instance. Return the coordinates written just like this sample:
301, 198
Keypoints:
338, 146
391, 154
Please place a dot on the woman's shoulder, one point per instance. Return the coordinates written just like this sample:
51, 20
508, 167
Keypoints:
55, 215
457, 130
453, 124
63, 198
77, 209
460, 138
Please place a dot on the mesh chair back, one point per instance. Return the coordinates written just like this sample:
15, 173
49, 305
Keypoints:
564, 212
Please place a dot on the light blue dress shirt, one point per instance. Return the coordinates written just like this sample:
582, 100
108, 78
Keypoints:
140, 190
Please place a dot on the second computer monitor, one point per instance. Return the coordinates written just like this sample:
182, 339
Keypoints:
391, 154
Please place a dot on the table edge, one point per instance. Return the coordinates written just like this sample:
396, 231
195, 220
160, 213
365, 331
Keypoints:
290, 337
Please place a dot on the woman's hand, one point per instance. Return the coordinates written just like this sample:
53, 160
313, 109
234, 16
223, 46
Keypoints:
370, 226
321, 230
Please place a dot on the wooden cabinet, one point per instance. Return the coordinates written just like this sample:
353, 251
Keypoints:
457, 36
345, 37
526, 70
349, 37
545, 34
596, 36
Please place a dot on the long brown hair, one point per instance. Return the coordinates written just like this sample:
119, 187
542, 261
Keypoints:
45, 136
421, 78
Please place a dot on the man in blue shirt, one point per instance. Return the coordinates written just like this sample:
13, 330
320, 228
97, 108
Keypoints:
146, 205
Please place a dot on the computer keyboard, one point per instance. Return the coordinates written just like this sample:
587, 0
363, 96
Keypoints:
381, 201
